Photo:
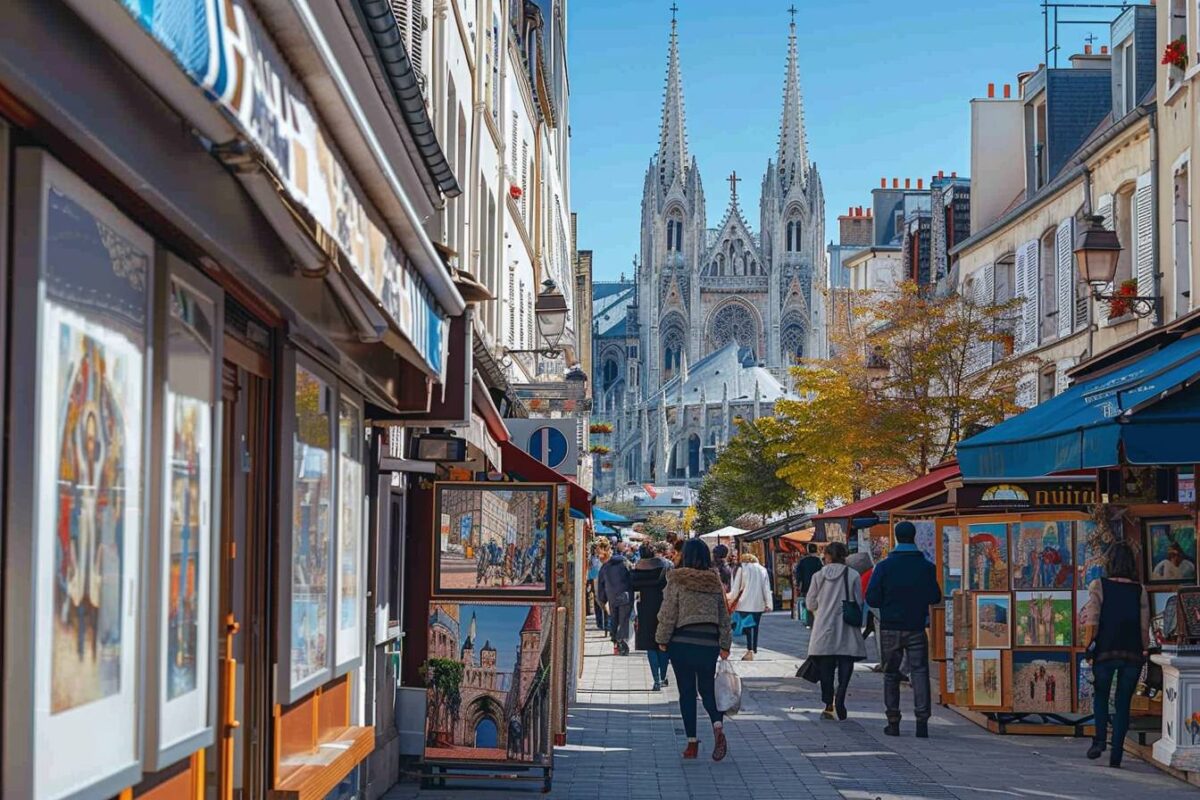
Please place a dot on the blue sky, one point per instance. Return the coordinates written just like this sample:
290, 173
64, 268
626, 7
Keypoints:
886, 92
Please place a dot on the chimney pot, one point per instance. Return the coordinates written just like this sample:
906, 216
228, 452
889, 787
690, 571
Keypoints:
991, 90
953, 174
908, 183
1007, 91
941, 174
920, 183
860, 211
1087, 49
1103, 49
883, 183
895, 183
850, 213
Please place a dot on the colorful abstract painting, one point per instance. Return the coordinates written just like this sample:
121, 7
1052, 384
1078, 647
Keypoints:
1041, 556
987, 554
488, 675
1044, 619
1042, 681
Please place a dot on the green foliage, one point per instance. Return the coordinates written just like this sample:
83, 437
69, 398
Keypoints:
747, 474
711, 512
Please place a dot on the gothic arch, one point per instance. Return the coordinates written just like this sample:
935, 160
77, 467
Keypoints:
734, 320
793, 336
672, 336
675, 214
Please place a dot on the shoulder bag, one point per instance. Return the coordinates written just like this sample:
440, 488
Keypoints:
852, 613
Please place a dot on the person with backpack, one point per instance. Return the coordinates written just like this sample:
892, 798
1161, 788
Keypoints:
615, 589
903, 586
835, 598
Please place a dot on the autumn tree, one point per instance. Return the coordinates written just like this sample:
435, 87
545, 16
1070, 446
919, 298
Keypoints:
910, 375
711, 512
747, 471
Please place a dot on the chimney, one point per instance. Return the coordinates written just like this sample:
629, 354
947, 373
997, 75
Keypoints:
860, 211
1087, 49
920, 183
895, 183
850, 212
908, 183
953, 175
1103, 49
991, 90
941, 174
883, 183
1007, 91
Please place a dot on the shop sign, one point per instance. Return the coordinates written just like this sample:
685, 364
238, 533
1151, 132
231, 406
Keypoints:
553, 442
1029, 495
224, 49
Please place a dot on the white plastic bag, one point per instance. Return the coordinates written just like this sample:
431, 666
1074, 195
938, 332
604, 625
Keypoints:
729, 688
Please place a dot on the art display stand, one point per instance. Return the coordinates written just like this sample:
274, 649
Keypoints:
1179, 747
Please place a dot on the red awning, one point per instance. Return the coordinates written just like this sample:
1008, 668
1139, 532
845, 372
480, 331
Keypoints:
896, 496
519, 463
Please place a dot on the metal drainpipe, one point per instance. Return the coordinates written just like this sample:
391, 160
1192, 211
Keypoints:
1155, 246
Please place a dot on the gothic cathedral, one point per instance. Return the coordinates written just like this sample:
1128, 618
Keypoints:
700, 288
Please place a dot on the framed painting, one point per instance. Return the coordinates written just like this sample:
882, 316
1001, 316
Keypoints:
1043, 619
1188, 610
1081, 599
1170, 552
1042, 681
82, 300
1085, 685
1164, 617
993, 621
350, 545
488, 675
1091, 554
1041, 555
962, 677
181, 681
495, 540
987, 557
926, 540
986, 679
307, 535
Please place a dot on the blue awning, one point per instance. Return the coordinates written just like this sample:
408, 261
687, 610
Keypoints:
604, 515
604, 529
1144, 412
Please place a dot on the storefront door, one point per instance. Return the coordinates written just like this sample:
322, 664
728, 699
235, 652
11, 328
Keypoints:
238, 765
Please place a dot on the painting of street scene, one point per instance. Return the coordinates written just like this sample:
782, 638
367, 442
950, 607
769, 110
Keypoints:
1042, 682
494, 539
488, 679
1041, 557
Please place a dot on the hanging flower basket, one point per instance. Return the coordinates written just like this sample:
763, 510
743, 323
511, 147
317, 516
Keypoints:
601, 449
1175, 54
1118, 306
601, 427
515, 191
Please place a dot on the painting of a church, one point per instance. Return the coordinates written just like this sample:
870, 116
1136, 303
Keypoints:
488, 679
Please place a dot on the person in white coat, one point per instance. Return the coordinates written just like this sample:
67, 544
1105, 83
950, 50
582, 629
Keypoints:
834, 644
750, 594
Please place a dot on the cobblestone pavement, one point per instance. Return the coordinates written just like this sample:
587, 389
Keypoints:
624, 743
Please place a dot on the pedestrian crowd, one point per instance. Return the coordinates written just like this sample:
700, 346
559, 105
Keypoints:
687, 601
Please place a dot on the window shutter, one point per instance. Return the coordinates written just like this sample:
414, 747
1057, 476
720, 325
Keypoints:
1065, 273
979, 353
1027, 391
1143, 235
1027, 290
1061, 381
1105, 209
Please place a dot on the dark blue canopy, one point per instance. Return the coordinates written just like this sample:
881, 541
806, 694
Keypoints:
1144, 412
604, 515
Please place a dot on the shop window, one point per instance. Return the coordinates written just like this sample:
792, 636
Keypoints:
348, 643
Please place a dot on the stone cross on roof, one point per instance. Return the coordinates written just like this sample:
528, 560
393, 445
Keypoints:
733, 182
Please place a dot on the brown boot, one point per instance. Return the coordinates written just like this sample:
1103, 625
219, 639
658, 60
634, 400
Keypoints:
692, 750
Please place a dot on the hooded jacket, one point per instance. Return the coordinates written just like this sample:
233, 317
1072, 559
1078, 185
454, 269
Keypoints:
693, 597
614, 585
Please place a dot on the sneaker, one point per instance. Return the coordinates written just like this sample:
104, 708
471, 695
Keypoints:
892, 729
692, 750
922, 729
828, 713
1095, 750
720, 746
665, 682
749, 656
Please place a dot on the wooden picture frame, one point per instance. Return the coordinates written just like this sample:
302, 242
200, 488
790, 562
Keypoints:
79, 447
987, 678
502, 531
993, 633
1189, 612
1169, 550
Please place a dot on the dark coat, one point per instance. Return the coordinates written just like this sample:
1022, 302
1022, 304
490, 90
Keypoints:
903, 586
649, 578
614, 584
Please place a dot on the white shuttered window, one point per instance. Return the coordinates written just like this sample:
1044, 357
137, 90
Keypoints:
1027, 290
1065, 274
1105, 209
1143, 235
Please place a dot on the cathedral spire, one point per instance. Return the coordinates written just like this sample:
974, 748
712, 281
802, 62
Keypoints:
793, 147
672, 143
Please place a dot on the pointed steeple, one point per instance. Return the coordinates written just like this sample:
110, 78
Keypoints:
672, 142
792, 158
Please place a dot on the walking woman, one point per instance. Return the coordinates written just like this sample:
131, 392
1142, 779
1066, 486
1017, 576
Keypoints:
693, 629
649, 579
750, 594
835, 643
1117, 624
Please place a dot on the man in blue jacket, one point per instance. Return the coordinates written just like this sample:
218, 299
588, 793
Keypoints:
903, 586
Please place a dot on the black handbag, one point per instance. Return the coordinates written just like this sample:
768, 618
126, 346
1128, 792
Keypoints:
809, 670
852, 613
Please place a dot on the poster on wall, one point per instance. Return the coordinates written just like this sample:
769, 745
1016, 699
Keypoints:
1042, 681
73, 582
987, 557
351, 538
185, 584
1043, 619
1041, 555
488, 675
508, 547
1170, 553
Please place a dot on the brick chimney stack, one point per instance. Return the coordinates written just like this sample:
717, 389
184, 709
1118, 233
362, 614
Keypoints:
856, 228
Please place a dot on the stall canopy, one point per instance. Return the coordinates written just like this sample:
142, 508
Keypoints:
779, 528
604, 515
887, 500
524, 466
1142, 412
794, 542
726, 534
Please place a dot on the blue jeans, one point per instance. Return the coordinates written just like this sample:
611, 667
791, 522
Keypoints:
1126, 673
658, 664
695, 671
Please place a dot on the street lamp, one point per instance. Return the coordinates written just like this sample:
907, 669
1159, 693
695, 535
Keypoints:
550, 311
1096, 252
